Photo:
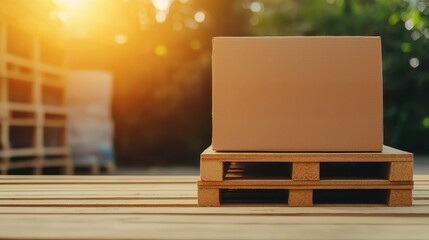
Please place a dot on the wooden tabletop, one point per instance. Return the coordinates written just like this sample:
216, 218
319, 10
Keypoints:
115, 207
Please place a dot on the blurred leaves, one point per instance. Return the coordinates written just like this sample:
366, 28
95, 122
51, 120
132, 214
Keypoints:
404, 28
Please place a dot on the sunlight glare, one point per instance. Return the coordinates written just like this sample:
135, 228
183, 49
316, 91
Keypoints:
161, 5
69, 4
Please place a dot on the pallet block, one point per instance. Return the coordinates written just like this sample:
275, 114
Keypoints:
390, 164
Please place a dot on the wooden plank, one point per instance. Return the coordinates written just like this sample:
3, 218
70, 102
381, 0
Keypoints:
94, 183
211, 227
301, 184
56, 150
23, 152
23, 122
388, 154
21, 107
240, 219
190, 193
108, 179
16, 60
15, 75
98, 202
24, 164
55, 123
55, 109
53, 83
48, 68
418, 210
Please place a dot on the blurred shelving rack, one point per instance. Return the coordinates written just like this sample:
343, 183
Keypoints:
33, 108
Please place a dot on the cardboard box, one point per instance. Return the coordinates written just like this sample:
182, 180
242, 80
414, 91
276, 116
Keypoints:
297, 94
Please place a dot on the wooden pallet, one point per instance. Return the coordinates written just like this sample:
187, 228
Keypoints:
306, 179
33, 105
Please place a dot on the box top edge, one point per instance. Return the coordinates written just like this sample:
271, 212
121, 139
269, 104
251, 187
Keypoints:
292, 37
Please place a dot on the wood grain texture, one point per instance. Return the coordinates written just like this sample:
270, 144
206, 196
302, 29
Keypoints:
305, 171
401, 171
116, 218
388, 154
300, 198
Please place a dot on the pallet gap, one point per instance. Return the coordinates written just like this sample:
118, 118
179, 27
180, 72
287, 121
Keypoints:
21, 171
257, 170
350, 196
54, 137
20, 91
22, 115
22, 136
254, 196
58, 170
354, 170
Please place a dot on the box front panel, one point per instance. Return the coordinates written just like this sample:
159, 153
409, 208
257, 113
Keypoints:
297, 94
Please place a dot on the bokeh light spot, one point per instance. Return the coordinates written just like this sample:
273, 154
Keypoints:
177, 26
394, 19
425, 122
200, 16
406, 47
161, 17
414, 62
256, 7
409, 24
191, 24
121, 38
161, 50
415, 35
195, 44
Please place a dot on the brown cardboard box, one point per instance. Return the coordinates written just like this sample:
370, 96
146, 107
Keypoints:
297, 94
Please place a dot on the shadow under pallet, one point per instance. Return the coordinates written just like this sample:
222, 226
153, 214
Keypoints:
306, 179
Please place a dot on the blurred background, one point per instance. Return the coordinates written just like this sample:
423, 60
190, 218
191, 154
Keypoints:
127, 83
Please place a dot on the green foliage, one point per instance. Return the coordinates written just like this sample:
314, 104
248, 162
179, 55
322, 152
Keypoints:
404, 29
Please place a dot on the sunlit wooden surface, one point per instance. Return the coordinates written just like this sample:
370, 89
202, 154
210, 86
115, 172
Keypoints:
114, 207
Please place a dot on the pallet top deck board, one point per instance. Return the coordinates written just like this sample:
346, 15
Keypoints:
274, 183
388, 154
